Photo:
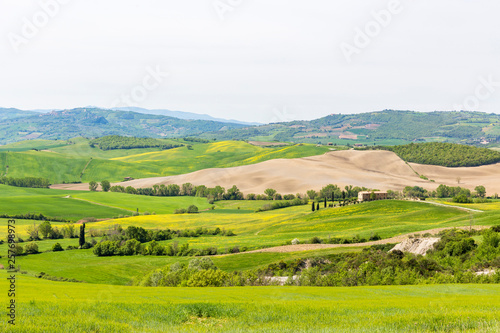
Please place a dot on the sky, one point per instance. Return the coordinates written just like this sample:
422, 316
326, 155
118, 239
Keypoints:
251, 60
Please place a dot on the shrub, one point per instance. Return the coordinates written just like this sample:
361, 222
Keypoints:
192, 209
315, 240
295, 241
57, 247
180, 211
208, 278
31, 248
461, 198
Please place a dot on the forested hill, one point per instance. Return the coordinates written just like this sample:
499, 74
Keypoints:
446, 154
14, 113
394, 127
386, 127
95, 122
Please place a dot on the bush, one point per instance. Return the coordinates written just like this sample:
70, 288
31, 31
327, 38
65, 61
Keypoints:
295, 241
192, 209
57, 247
180, 211
461, 198
31, 248
315, 240
208, 278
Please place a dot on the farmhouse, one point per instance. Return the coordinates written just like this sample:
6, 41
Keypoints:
365, 195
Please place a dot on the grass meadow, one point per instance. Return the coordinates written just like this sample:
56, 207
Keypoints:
79, 162
46, 306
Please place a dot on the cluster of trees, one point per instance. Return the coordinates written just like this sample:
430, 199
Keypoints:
34, 182
190, 210
459, 194
454, 259
47, 231
333, 192
124, 142
137, 240
186, 189
134, 247
445, 154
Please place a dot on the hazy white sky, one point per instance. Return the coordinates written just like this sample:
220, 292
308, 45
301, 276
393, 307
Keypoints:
253, 60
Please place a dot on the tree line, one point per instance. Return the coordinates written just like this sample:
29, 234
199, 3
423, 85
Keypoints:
33, 182
125, 142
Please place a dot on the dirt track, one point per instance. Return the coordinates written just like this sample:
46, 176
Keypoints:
382, 170
397, 239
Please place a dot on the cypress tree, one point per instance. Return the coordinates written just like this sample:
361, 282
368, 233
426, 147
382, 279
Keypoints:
81, 239
317, 206
313, 206
325, 202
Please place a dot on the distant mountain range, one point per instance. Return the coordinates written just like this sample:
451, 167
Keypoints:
382, 127
184, 115
386, 127
20, 125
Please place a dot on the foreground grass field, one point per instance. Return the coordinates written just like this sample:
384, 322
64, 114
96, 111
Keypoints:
45, 306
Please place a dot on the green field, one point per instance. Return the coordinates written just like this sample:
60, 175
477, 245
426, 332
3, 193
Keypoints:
277, 227
253, 230
44, 306
106, 298
79, 162
76, 205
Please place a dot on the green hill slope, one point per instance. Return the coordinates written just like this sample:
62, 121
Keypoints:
386, 127
75, 160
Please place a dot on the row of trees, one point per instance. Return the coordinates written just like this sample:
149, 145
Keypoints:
124, 142
34, 182
330, 192
442, 191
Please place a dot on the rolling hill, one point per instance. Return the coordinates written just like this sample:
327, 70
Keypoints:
374, 169
388, 127
88, 122
75, 160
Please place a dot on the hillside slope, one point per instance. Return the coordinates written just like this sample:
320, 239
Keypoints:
93, 122
373, 169
387, 127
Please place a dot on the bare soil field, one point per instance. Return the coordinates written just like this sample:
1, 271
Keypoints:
381, 170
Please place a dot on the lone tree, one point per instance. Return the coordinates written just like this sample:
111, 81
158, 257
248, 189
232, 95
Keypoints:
93, 186
105, 185
312, 194
317, 206
270, 193
45, 229
313, 207
81, 239
480, 191
333, 196
325, 202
